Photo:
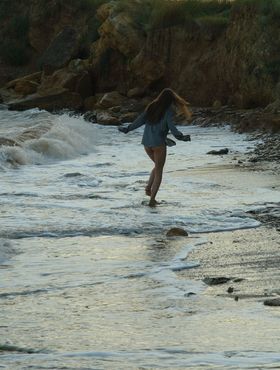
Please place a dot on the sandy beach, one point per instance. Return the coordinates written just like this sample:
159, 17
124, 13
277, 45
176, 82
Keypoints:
248, 258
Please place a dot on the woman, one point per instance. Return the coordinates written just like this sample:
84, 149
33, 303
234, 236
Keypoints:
158, 119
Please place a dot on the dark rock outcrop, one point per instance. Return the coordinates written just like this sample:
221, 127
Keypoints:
62, 49
51, 102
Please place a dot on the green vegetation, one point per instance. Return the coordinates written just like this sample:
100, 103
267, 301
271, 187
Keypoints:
83, 5
166, 13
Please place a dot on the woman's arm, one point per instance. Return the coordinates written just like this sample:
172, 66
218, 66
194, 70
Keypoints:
140, 120
175, 132
170, 123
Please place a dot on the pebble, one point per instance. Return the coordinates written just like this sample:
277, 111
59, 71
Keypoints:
216, 280
272, 302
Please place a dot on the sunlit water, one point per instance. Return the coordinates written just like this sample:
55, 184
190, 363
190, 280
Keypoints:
88, 278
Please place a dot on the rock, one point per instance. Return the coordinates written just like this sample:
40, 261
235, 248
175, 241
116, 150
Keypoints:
217, 104
90, 103
90, 117
238, 280
128, 117
26, 87
236, 298
273, 107
136, 92
22, 86
57, 100
63, 79
60, 79
147, 70
272, 302
62, 49
176, 231
216, 280
105, 118
189, 294
73, 174
116, 109
84, 85
219, 152
78, 65
111, 99
230, 290
115, 30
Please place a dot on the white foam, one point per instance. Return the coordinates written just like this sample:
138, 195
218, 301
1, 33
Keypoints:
51, 138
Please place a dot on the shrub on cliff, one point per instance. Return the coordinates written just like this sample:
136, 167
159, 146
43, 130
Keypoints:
167, 13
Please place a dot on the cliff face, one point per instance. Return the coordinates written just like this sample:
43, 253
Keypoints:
205, 62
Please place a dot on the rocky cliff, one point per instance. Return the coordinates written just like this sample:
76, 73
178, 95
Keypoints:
207, 61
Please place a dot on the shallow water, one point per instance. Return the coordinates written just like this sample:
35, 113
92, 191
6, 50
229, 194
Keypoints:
88, 278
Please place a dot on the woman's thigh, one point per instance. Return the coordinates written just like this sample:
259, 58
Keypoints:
160, 156
157, 155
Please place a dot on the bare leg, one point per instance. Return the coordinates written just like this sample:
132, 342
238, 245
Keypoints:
148, 188
159, 156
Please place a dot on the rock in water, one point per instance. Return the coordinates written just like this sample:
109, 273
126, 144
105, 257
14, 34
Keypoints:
216, 280
176, 231
272, 302
219, 152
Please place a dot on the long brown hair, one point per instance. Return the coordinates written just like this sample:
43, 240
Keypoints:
157, 108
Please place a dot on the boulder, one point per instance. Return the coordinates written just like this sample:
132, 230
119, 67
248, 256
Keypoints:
216, 280
84, 85
77, 82
90, 103
79, 65
147, 69
62, 49
272, 302
136, 92
115, 30
176, 231
128, 117
105, 118
219, 152
273, 108
51, 102
111, 99
25, 85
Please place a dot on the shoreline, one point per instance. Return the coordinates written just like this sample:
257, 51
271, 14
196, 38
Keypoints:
249, 259
244, 263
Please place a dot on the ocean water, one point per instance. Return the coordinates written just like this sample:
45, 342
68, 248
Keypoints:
88, 278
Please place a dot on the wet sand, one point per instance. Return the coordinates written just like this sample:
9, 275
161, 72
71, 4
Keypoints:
249, 258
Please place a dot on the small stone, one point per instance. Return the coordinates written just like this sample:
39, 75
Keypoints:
216, 280
219, 152
189, 294
272, 302
236, 298
230, 289
176, 231
238, 280
73, 174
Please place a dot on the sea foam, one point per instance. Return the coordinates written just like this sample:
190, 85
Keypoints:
41, 138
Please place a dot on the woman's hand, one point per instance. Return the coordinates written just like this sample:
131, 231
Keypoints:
186, 138
123, 129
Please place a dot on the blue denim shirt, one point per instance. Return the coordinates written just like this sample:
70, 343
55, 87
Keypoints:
155, 135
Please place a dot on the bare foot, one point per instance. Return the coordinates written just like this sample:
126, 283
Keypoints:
153, 203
